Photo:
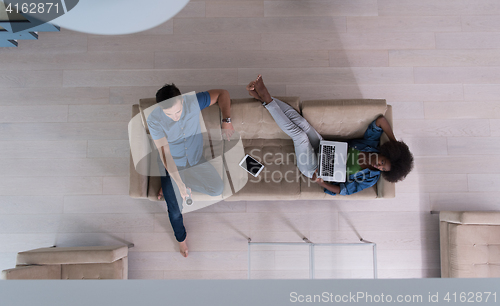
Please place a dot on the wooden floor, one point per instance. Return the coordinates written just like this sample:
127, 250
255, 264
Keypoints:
66, 101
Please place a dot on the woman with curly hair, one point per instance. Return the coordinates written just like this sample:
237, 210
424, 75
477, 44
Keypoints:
366, 161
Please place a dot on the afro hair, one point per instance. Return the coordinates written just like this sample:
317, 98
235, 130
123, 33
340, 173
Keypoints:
401, 160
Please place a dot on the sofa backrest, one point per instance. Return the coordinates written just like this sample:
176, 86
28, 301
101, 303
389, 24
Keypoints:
252, 120
342, 119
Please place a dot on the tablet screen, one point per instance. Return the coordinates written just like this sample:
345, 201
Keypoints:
253, 166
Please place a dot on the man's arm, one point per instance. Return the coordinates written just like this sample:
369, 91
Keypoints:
221, 96
386, 127
168, 162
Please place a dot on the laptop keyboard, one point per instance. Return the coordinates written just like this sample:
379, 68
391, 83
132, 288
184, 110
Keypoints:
327, 160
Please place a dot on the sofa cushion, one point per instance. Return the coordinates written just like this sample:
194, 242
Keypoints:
279, 180
33, 272
342, 119
312, 191
114, 270
253, 121
473, 250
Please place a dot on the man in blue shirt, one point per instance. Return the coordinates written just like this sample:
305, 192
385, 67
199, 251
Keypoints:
175, 128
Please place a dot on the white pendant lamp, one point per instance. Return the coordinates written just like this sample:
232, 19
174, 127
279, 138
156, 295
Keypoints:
115, 17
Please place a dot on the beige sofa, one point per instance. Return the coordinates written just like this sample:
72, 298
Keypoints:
98, 262
261, 137
470, 244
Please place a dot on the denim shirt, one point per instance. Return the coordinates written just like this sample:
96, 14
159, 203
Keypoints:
366, 177
184, 136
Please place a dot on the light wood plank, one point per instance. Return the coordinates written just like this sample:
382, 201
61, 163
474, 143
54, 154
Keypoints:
202, 222
131, 95
388, 259
495, 127
234, 8
49, 113
109, 204
240, 59
60, 131
402, 202
228, 274
104, 78
108, 148
320, 8
482, 201
163, 29
437, 8
351, 41
260, 25
284, 221
32, 223
467, 164
387, 240
404, 24
290, 207
55, 43
399, 93
24, 242
482, 23
89, 239
96, 113
198, 242
426, 58
408, 110
462, 110
483, 182
136, 42
224, 207
409, 273
115, 185
15, 167
436, 128
473, 146
468, 40
192, 9
197, 261
43, 149
330, 75
107, 223
387, 221
432, 183
426, 146
7, 260
20, 204
50, 186
54, 96
87, 60
481, 92
359, 58
145, 274
450, 75
30, 79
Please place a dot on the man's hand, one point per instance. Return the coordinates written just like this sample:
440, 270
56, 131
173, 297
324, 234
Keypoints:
251, 91
227, 130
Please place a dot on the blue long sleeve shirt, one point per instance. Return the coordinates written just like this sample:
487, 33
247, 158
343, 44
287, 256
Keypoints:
365, 178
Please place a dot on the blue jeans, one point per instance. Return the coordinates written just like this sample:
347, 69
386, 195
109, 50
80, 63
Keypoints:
202, 178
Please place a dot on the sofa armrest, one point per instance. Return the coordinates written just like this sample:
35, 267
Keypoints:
386, 189
470, 217
72, 255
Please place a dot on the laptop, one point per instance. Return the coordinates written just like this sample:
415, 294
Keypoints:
332, 161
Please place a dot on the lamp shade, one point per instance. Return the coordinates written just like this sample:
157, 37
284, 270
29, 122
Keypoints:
114, 17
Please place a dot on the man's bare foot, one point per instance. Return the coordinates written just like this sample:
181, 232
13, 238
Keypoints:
160, 194
183, 247
261, 90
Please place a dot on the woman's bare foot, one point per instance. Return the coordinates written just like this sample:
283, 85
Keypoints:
183, 247
160, 194
261, 90
252, 92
